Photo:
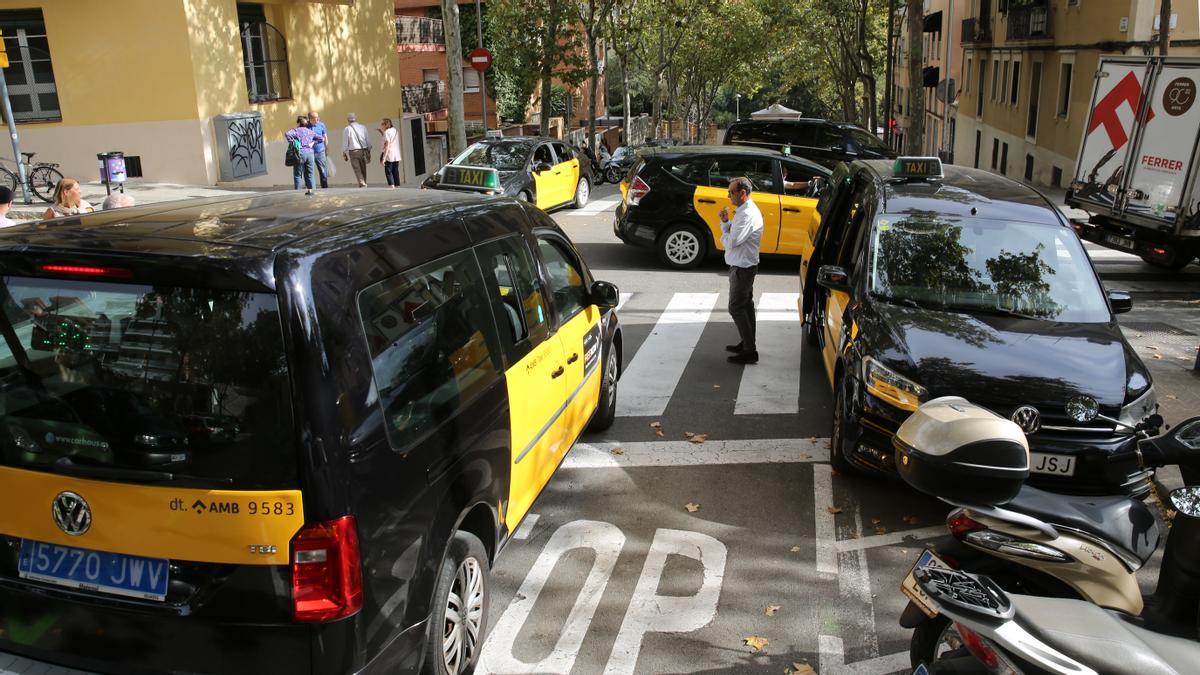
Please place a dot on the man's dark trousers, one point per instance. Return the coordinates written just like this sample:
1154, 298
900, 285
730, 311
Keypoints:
741, 304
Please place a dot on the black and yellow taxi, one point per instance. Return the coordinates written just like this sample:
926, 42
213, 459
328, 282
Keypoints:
672, 197
542, 171
929, 281
352, 400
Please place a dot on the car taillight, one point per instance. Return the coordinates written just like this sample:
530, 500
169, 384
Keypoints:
960, 524
637, 190
987, 654
326, 575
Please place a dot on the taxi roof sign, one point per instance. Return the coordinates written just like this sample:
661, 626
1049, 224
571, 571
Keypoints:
474, 177
920, 168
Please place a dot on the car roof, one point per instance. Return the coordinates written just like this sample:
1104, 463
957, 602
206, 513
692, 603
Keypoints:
962, 191
691, 150
519, 139
253, 225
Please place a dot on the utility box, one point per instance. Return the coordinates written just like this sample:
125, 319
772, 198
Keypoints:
241, 148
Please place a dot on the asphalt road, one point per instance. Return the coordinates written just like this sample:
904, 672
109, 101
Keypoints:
654, 553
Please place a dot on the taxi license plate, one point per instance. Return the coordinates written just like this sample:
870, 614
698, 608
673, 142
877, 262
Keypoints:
115, 573
1124, 243
1054, 465
909, 585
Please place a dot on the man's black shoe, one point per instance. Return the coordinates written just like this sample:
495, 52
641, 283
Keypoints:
736, 349
744, 357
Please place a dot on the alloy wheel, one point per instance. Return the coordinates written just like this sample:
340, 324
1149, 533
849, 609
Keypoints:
582, 192
610, 377
464, 617
682, 247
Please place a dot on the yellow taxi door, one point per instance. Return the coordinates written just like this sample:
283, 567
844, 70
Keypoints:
534, 370
799, 219
578, 334
546, 183
712, 175
568, 165
708, 202
835, 335
835, 309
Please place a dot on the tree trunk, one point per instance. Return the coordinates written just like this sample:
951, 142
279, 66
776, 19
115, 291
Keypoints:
889, 82
454, 77
547, 76
593, 85
656, 106
914, 139
1164, 28
867, 71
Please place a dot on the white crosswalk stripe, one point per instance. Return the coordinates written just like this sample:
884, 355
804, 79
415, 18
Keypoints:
654, 372
774, 390
594, 208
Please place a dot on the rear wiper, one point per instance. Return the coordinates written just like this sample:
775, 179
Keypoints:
65, 465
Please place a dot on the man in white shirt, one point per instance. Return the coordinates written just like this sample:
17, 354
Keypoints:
6, 201
742, 238
356, 148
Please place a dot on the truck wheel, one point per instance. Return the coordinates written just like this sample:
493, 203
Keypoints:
1175, 258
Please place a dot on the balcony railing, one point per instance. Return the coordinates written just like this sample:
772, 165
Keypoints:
419, 30
977, 30
1029, 23
423, 98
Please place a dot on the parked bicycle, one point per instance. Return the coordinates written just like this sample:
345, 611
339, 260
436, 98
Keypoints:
43, 177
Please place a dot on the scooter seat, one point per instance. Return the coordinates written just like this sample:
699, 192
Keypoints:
1120, 521
1102, 640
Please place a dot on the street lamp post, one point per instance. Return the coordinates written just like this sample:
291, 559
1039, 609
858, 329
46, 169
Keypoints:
737, 103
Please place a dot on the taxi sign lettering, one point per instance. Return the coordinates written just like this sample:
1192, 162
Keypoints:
474, 177
917, 167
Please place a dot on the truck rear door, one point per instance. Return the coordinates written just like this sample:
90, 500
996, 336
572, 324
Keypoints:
1109, 134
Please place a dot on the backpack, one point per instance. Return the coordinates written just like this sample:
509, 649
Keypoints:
292, 156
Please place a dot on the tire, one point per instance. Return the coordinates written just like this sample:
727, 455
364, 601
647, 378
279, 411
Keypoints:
811, 336
10, 179
927, 638
582, 192
837, 436
606, 409
682, 247
466, 563
1177, 259
43, 180
613, 174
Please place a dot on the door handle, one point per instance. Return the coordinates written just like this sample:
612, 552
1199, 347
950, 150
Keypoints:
707, 201
787, 210
573, 359
557, 173
557, 373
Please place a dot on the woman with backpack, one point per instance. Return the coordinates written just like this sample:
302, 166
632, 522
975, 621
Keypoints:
300, 157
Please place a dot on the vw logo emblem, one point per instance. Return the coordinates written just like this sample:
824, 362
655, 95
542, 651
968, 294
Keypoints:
1028, 418
72, 513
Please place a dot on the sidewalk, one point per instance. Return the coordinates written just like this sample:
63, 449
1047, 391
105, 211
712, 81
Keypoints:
143, 193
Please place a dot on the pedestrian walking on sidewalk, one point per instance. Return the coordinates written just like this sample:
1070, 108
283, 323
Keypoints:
390, 157
742, 238
356, 148
319, 159
6, 200
68, 200
302, 171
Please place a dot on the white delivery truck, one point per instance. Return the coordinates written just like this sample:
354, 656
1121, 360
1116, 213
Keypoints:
1138, 167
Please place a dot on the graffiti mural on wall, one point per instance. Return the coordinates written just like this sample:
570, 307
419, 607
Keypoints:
246, 147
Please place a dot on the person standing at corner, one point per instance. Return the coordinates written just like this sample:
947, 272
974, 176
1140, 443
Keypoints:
742, 238
390, 157
322, 136
302, 172
356, 148
68, 200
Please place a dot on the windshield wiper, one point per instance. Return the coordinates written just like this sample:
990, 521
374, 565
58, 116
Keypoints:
999, 311
907, 302
65, 465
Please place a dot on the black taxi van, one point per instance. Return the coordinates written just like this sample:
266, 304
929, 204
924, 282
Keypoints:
930, 281
543, 171
671, 200
369, 390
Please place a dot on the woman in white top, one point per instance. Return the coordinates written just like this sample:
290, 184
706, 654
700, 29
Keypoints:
390, 157
68, 200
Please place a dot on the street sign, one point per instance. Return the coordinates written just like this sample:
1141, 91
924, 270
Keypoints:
481, 59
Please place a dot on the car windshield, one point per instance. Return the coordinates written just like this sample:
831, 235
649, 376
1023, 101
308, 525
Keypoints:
501, 155
993, 266
143, 380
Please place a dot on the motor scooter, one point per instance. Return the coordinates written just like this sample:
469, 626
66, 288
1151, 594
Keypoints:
1045, 544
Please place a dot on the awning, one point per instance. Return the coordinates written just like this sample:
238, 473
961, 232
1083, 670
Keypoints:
930, 76
933, 22
776, 111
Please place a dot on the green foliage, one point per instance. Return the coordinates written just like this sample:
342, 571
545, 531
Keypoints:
558, 101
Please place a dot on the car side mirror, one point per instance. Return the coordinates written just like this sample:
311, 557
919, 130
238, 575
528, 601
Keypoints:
604, 295
1121, 301
834, 278
540, 167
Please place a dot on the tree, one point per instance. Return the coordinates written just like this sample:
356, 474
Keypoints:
915, 138
625, 29
454, 106
593, 18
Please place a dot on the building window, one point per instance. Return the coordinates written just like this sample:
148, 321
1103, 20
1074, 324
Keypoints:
264, 55
1029, 167
470, 80
29, 74
1064, 89
995, 152
1004, 159
430, 75
1016, 83
995, 77
1035, 95
967, 75
1056, 175
1003, 84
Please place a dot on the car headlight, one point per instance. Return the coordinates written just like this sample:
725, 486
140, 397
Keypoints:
892, 387
1137, 411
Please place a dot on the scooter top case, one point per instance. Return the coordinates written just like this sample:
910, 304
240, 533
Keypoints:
961, 452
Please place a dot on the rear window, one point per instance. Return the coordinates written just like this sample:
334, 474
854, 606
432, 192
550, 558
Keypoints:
143, 381
774, 133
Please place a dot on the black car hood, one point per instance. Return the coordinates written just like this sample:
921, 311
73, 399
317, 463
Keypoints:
1002, 360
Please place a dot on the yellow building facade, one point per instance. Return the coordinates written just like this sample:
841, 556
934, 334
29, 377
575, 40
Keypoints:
196, 91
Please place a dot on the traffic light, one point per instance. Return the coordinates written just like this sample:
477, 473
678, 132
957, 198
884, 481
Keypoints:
891, 122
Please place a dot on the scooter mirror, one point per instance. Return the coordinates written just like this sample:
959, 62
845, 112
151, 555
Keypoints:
1082, 409
1187, 433
1186, 500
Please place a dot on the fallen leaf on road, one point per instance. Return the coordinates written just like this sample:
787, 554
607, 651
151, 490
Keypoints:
812, 439
1157, 356
876, 521
716, 386
834, 472
692, 507
688, 434
772, 610
1173, 397
803, 456
756, 643
1154, 347
656, 425
795, 549
618, 451
834, 509
802, 669
698, 438
659, 433
881, 530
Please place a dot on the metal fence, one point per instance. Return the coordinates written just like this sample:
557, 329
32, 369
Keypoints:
1029, 23
419, 30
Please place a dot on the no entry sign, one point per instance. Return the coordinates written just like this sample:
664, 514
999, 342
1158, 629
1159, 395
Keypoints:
481, 59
